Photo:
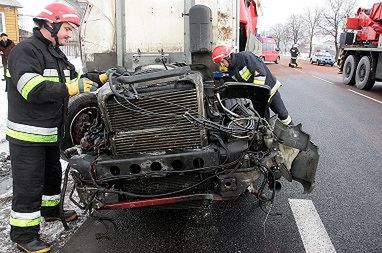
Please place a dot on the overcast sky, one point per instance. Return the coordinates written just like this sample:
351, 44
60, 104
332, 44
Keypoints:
32, 7
278, 11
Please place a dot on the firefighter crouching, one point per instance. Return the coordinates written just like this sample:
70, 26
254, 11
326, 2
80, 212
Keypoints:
40, 80
247, 67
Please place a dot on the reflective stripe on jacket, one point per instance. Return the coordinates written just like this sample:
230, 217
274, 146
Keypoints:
247, 67
37, 94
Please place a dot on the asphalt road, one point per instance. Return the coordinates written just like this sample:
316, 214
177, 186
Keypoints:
346, 126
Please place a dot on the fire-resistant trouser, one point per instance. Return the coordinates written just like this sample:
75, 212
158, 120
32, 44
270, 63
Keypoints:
278, 107
36, 172
293, 60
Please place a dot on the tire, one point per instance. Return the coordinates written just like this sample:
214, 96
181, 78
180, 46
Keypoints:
277, 61
349, 69
311, 61
364, 76
82, 107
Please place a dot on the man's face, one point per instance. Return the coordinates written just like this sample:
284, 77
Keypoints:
4, 38
64, 34
224, 63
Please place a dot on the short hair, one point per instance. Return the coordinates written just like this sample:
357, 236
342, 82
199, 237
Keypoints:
3, 34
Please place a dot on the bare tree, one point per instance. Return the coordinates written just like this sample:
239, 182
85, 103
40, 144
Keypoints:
312, 20
277, 33
285, 36
334, 16
296, 26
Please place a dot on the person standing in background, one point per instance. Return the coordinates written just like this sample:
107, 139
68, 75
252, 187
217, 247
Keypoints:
6, 46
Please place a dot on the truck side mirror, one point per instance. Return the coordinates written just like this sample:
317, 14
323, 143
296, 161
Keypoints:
277, 49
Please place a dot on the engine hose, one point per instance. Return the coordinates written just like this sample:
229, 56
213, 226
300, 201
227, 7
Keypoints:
62, 199
112, 87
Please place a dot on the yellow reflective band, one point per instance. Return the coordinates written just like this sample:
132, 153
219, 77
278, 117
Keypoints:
7, 73
276, 87
51, 78
67, 79
50, 202
258, 81
287, 121
246, 74
30, 85
31, 137
24, 223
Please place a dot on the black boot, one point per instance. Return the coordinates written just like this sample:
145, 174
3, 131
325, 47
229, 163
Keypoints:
70, 215
35, 246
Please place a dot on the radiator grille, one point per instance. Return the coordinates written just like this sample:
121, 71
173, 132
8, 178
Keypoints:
136, 132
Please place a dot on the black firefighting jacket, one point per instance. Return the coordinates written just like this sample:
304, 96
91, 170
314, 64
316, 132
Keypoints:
247, 67
294, 52
37, 94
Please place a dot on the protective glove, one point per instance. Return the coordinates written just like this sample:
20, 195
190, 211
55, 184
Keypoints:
105, 76
81, 85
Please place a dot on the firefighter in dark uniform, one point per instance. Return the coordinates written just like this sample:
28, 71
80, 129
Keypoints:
247, 67
40, 80
294, 52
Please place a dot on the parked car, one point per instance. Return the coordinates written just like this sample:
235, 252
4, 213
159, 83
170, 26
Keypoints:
322, 58
270, 52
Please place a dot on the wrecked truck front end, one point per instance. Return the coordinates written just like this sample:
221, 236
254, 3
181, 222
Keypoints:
170, 137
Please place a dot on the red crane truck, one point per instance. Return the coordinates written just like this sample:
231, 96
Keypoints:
361, 48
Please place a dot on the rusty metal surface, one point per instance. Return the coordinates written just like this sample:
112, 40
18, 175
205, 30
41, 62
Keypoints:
161, 201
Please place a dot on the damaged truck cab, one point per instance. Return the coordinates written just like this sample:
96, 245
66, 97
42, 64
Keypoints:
167, 136
162, 131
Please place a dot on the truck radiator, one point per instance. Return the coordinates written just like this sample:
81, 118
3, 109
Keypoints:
135, 132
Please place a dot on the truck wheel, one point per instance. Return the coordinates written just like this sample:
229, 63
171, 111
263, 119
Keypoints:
82, 111
277, 61
311, 61
364, 76
348, 74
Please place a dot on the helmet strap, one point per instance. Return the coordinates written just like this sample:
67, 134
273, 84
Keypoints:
54, 31
228, 59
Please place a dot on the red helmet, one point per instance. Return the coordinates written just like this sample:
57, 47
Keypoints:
221, 52
59, 13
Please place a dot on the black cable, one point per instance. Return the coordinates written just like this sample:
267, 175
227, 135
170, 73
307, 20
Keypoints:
62, 199
73, 200
223, 146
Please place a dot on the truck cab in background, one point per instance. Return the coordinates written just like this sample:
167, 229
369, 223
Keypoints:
269, 52
360, 59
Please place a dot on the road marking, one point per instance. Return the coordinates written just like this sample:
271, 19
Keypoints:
312, 230
375, 100
323, 79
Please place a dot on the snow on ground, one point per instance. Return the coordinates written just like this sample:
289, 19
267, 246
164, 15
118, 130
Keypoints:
52, 232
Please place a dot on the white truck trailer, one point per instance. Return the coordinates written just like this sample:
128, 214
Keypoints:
139, 32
